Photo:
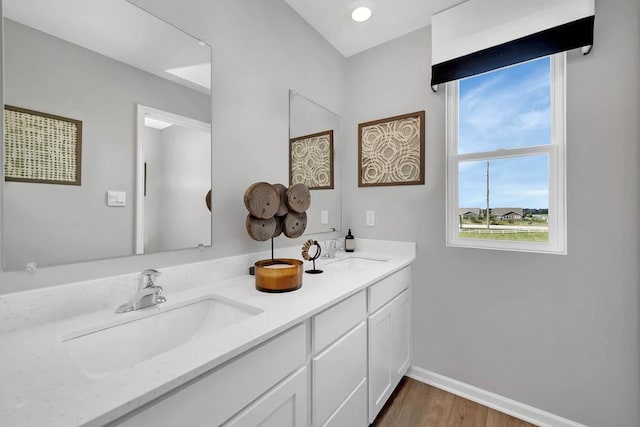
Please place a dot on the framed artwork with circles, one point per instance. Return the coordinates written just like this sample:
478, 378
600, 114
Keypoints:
311, 160
391, 151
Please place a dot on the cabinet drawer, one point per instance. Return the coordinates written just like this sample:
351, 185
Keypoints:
337, 371
384, 291
218, 395
334, 322
353, 412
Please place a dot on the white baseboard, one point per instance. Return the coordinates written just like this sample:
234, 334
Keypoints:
494, 401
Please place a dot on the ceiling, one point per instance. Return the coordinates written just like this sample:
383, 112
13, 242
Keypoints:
390, 19
121, 31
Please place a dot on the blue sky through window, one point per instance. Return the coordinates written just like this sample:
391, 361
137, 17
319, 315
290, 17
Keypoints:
507, 108
517, 182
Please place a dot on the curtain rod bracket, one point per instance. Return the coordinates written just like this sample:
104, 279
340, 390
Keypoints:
434, 88
586, 49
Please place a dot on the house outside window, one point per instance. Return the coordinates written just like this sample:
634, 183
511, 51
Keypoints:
506, 158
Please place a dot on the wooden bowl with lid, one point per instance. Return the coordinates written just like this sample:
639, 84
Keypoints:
278, 275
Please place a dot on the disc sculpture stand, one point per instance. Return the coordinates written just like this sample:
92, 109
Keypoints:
274, 210
314, 257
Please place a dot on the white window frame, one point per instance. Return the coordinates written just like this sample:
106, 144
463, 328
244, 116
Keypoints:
556, 152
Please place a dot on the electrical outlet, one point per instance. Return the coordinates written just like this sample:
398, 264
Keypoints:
324, 217
371, 218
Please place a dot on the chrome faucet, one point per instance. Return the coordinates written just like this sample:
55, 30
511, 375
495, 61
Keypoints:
147, 295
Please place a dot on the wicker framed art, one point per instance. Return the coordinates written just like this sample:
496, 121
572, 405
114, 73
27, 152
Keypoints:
311, 160
391, 151
41, 148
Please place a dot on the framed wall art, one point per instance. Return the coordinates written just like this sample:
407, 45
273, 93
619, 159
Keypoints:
391, 151
41, 147
311, 160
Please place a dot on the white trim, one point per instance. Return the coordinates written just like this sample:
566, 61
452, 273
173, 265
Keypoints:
175, 119
451, 149
556, 169
504, 153
140, 180
3, 242
559, 134
491, 400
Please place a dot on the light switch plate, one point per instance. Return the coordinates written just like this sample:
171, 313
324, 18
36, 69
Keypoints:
324, 217
371, 218
116, 198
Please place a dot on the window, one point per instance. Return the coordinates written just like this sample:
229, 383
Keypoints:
506, 158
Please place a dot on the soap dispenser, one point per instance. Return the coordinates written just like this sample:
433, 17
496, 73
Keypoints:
349, 242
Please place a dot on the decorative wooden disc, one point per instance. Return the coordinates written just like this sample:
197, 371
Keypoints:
207, 200
294, 224
279, 225
260, 229
298, 198
261, 200
282, 193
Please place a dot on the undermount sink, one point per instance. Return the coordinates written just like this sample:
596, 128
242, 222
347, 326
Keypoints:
355, 263
120, 344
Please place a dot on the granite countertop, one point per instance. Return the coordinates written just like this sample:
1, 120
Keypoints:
42, 384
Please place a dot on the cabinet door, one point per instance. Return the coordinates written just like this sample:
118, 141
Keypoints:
400, 336
389, 350
283, 406
379, 360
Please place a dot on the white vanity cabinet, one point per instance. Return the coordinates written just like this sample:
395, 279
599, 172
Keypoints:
250, 389
389, 337
336, 369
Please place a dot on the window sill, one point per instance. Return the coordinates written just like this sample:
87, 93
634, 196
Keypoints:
496, 245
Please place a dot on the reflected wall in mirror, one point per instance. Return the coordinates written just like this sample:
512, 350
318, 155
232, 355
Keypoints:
315, 131
96, 61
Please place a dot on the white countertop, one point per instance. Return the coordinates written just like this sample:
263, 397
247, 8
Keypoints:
42, 385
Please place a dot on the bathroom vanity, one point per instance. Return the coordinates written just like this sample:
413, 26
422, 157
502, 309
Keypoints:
217, 352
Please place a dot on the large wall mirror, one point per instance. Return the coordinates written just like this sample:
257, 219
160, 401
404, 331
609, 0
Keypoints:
315, 153
138, 91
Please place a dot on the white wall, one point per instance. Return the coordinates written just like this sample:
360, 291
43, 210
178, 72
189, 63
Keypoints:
261, 49
560, 333
60, 224
178, 163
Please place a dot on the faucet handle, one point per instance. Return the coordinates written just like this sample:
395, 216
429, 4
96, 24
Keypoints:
147, 276
151, 272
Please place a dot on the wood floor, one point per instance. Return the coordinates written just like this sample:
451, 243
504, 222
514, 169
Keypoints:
415, 404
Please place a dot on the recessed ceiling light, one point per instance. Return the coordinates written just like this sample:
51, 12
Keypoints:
361, 14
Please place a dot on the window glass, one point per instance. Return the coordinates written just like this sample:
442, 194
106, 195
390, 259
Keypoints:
506, 108
518, 196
